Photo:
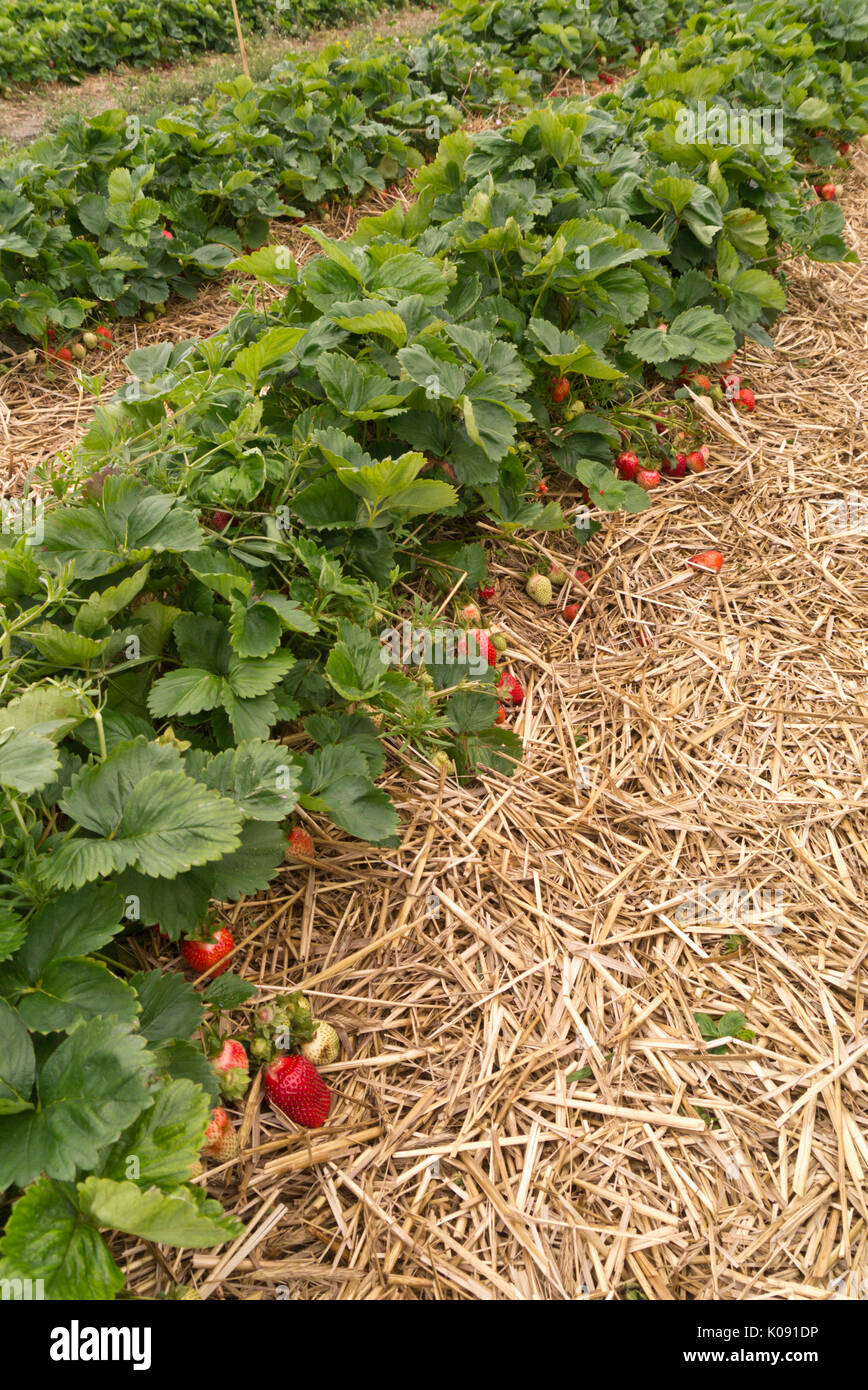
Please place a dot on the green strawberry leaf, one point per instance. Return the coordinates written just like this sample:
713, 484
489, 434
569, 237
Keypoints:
229, 991
17, 1062
184, 1217
46, 1239
165, 1141
27, 761
91, 1087
170, 1006
70, 992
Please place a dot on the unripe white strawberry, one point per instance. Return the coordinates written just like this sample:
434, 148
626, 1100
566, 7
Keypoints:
539, 589
324, 1046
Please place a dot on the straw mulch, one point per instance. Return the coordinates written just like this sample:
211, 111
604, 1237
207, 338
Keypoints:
527, 927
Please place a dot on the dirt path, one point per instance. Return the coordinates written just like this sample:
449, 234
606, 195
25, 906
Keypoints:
528, 929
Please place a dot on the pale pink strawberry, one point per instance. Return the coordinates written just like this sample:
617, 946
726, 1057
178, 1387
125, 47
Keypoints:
233, 1069
221, 1140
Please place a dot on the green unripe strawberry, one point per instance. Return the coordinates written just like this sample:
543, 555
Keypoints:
324, 1046
498, 641
442, 760
539, 589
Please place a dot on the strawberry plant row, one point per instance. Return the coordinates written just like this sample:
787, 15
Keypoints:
193, 646
112, 215
53, 42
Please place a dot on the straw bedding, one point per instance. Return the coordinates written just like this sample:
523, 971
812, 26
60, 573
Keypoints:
686, 730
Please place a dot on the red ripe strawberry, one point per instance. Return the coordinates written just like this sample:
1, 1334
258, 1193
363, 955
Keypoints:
647, 478
660, 427
220, 520
746, 399
542, 489
166, 233
232, 1068
643, 635
827, 191
560, 388
300, 842
486, 592
510, 686
483, 644
696, 461
680, 466
294, 1086
707, 560
607, 78
203, 952
64, 354
105, 333
627, 465
221, 1141
843, 148
582, 577
701, 382
571, 612
500, 717
51, 334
